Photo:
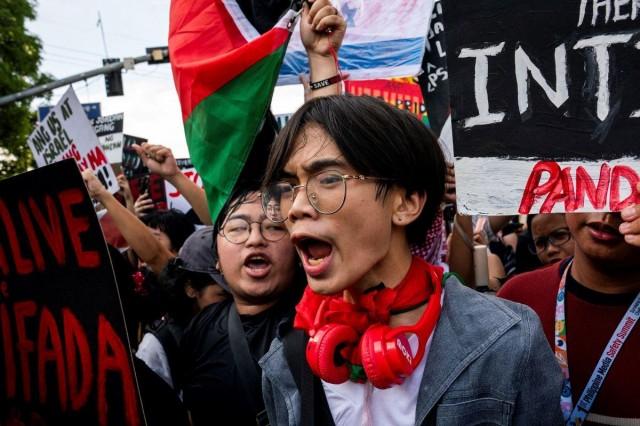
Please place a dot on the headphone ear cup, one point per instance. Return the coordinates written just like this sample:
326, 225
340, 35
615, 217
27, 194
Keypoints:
325, 352
385, 362
372, 352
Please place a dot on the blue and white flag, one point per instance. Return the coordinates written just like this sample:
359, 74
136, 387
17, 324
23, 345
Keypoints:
385, 39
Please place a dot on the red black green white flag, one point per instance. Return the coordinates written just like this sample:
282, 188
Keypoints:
225, 73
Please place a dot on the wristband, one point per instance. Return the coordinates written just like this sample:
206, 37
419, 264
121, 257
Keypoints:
316, 85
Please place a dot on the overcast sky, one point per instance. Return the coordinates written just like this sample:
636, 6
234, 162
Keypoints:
72, 43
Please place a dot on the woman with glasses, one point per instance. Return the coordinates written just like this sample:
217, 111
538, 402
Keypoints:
222, 346
551, 238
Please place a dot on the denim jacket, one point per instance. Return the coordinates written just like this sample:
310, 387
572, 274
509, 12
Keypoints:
488, 363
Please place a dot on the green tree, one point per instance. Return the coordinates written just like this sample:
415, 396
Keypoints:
19, 63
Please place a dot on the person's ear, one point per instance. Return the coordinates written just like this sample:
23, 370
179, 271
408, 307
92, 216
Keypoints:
407, 206
191, 292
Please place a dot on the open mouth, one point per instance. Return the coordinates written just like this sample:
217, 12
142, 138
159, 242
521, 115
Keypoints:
316, 255
604, 232
257, 265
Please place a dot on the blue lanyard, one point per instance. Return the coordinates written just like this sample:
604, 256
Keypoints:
577, 415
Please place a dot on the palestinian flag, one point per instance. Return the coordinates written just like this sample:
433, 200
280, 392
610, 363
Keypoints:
225, 73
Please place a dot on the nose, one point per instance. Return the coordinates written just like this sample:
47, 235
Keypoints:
300, 207
551, 250
255, 236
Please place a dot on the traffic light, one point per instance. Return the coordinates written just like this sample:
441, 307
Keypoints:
113, 80
159, 55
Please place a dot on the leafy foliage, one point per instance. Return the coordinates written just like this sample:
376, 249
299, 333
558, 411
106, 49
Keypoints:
19, 63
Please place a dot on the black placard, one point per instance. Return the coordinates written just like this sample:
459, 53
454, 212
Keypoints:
65, 357
552, 80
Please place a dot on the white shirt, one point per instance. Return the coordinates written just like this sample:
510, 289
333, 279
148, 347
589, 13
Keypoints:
151, 352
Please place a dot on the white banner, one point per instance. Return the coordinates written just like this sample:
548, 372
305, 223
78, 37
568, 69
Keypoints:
66, 132
384, 39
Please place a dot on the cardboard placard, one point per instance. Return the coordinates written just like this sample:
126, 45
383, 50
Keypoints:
545, 99
109, 131
65, 354
66, 132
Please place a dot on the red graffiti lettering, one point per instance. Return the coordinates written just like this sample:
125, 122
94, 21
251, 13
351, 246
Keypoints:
112, 358
51, 228
534, 189
96, 158
559, 187
48, 331
8, 353
75, 342
31, 235
23, 310
23, 265
618, 173
76, 226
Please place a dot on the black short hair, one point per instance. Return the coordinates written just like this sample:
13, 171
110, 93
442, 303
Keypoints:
377, 140
172, 222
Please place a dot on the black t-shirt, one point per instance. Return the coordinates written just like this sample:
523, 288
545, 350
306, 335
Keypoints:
211, 382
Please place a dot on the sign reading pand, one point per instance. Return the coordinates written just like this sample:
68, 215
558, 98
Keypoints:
545, 99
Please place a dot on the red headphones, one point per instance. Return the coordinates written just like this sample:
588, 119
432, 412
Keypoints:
385, 353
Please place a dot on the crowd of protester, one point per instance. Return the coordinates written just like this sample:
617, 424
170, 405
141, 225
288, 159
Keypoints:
228, 329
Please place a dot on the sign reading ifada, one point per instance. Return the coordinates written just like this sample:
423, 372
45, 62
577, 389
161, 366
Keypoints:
65, 357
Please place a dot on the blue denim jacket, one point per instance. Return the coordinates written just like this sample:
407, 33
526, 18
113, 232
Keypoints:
489, 363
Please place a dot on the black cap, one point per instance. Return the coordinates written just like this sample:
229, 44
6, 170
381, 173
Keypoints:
197, 255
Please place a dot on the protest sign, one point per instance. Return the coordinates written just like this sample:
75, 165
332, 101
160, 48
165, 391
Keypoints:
65, 355
175, 200
109, 132
384, 39
434, 81
401, 93
545, 104
66, 132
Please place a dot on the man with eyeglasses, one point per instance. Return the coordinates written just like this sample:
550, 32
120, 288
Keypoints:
387, 337
551, 239
588, 305
222, 346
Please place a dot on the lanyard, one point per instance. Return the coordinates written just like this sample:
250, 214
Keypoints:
577, 415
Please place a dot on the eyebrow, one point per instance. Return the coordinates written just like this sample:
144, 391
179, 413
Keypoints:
317, 166
246, 217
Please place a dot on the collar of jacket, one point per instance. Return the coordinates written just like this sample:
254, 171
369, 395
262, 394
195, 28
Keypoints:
459, 339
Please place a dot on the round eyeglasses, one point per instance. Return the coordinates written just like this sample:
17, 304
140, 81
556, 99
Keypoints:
237, 230
555, 238
326, 192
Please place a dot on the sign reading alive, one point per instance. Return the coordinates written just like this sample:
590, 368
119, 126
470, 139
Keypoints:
109, 132
64, 355
66, 132
545, 99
